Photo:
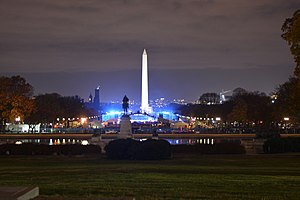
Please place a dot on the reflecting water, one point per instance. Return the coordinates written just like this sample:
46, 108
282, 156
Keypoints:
44, 141
62, 141
209, 141
191, 141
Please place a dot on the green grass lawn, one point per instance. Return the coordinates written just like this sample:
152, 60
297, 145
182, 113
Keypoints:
183, 177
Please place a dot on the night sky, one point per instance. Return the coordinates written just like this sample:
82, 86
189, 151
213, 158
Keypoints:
194, 46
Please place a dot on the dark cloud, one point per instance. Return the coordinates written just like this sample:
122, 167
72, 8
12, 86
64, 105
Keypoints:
104, 36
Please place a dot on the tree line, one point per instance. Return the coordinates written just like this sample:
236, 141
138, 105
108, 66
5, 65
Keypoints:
256, 107
245, 108
17, 103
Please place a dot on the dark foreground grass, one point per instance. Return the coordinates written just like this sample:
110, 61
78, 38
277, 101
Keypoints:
183, 177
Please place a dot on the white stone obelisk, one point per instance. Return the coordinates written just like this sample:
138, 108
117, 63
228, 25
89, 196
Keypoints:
144, 102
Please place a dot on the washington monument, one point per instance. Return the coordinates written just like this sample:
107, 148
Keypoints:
144, 101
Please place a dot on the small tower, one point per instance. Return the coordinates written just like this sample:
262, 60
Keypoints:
97, 98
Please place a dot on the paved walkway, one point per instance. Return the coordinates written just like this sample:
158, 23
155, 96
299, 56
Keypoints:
18, 193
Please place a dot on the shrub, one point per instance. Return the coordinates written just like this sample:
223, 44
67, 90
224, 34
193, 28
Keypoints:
282, 145
154, 150
132, 149
122, 149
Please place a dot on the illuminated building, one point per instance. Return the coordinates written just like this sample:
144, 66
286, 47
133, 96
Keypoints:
94, 103
97, 98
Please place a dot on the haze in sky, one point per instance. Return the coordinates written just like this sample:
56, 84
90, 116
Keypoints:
194, 46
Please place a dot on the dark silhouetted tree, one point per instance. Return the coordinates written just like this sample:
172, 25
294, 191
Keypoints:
238, 91
49, 107
288, 101
239, 112
15, 98
258, 106
291, 33
209, 98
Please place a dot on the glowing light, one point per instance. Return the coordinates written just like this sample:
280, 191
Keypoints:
84, 142
18, 142
18, 119
286, 118
114, 112
218, 118
83, 120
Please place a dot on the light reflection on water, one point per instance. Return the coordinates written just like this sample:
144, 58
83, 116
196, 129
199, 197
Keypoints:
175, 141
64, 141
191, 141
43, 141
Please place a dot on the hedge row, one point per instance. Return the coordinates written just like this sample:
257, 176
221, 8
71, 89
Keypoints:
217, 148
282, 145
130, 149
43, 149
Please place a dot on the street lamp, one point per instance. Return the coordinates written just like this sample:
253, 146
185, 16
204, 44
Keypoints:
218, 119
83, 120
18, 119
286, 119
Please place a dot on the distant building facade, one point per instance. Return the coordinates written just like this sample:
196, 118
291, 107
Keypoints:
94, 103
